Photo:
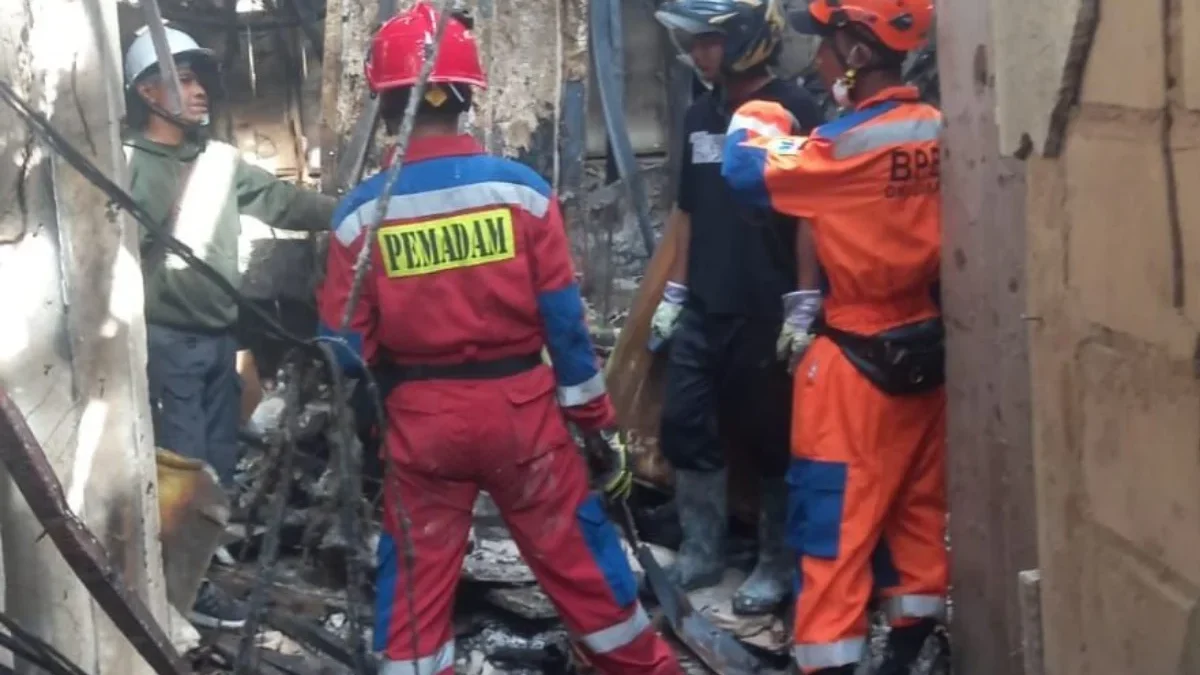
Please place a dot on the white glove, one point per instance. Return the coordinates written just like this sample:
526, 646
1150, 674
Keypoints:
662, 325
800, 310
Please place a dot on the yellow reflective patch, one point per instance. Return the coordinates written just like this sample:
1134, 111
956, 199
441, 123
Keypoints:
465, 240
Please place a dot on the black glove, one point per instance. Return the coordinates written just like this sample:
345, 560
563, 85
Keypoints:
608, 460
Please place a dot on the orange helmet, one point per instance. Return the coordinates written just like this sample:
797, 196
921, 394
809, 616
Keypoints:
900, 25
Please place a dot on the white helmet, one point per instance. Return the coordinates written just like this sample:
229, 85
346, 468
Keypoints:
141, 56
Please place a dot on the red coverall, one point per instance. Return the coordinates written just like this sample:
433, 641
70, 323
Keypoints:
472, 266
868, 486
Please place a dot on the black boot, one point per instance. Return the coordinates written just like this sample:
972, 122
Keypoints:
770, 582
840, 670
904, 645
700, 497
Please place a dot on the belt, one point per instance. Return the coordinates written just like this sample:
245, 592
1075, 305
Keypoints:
396, 373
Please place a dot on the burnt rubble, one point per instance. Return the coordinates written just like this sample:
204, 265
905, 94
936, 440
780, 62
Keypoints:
503, 623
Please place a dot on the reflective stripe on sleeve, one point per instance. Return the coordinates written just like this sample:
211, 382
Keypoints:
870, 137
830, 654
582, 393
759, 127
915, 607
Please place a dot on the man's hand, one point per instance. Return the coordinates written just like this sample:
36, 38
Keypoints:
666, 315
608, 460
800, 310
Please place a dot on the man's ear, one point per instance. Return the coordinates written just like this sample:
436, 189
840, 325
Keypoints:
147, 91
859, 56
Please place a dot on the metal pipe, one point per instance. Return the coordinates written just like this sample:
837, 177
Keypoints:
37, 482
166, 60
603, 42
353, 158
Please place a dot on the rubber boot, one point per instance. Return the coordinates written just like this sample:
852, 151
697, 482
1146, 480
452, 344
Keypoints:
701, 499
770, 582
904, 645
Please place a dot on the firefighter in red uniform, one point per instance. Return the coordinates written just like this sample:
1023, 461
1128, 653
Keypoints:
470, 279
868, 503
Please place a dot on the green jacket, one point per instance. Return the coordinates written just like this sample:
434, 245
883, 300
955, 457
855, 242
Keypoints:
221, 186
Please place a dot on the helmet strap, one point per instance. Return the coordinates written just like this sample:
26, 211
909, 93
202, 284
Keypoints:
851, 74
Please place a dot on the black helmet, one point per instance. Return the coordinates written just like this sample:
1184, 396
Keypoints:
753, 29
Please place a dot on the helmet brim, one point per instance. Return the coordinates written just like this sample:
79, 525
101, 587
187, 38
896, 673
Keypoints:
802, 22
685, 24
197, 58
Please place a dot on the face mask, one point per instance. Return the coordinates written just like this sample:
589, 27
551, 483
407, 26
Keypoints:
841, 93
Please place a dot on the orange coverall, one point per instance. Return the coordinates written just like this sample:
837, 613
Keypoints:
867, 505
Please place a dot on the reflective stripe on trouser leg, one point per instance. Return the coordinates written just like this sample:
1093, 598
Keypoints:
577, 557
438, 662
830, 654
618, 635
915, 607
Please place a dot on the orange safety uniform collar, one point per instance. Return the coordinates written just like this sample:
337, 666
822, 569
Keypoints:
901, 92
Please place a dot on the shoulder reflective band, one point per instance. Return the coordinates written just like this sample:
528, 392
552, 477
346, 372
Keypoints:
464, 240
872, 136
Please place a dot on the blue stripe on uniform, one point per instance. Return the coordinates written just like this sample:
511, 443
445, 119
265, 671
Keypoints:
819, 492
841, 125
743, 168
566, 336
605, 547
385, 589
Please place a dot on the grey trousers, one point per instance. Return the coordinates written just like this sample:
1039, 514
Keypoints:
195, 396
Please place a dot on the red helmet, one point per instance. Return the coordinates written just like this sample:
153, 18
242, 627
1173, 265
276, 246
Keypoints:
901, 25
398, 51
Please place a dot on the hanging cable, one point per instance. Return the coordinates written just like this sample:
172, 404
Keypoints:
41, 127
362, 264
33, 649
393, 172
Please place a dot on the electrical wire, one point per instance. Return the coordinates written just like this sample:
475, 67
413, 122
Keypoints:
33, 649
416, 95
266, 567
349, 469
118, 197
362, 264
160, 232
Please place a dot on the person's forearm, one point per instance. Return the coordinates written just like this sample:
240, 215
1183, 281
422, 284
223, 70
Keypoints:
808, 273
307, 212
681, 222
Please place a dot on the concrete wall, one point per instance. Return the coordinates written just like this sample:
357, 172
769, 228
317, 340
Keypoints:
72, 352
989, 454
1113, 226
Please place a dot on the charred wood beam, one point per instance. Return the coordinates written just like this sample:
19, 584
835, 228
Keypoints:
217, 19
317, 638
306, 23
309, 20
31, 472
354, 153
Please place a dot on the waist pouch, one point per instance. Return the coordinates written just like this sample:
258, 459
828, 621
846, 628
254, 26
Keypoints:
904, 361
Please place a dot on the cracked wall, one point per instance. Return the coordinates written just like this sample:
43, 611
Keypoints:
1114, 278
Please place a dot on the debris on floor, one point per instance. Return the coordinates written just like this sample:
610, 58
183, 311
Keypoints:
503, 622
